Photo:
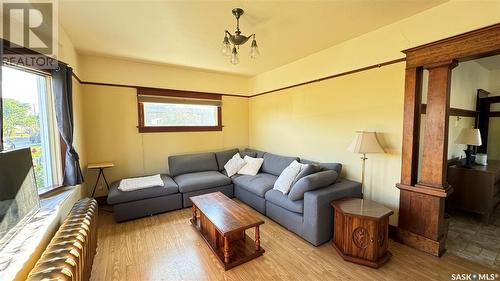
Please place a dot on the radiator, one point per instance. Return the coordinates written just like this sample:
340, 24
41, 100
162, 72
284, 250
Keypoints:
71, 251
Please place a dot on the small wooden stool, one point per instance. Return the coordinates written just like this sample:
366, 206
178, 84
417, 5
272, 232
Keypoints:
360, 232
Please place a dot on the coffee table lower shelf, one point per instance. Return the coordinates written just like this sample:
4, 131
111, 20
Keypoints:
241, 247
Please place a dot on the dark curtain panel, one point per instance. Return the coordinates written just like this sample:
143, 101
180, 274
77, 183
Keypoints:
62, 80
1, 100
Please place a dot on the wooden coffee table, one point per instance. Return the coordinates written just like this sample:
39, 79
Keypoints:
222, 223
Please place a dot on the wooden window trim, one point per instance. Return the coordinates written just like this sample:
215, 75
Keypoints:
176, 93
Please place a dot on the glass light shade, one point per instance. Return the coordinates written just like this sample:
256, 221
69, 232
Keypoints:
234, 56
226, 47
254, 50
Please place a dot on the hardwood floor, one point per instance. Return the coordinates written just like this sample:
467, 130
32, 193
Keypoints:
167, 247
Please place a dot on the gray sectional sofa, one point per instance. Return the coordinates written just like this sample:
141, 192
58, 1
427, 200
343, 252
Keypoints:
307, 212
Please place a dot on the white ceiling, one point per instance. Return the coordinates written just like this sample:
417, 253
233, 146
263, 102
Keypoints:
189, 33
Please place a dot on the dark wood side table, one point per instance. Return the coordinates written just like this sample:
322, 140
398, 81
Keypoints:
475, 189
360, 232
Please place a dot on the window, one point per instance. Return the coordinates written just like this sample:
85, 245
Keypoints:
178, 111
28, 120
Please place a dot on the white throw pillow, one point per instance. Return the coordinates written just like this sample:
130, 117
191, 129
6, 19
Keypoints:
286, 178
298, 164
252, 166
234, 165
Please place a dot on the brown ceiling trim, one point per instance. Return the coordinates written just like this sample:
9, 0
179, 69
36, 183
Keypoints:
332, 76
77, 78
263, 93
150, 88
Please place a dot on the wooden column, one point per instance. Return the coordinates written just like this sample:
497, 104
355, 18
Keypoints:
421, 211
411, 127
421, 215
435, 146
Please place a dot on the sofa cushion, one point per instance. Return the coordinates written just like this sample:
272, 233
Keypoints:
258, 184
307, 169
257, 153
275, 164
191, 163
312, 182
252, 154
337, 167
282, 200
201, 180
116, 196
224, 156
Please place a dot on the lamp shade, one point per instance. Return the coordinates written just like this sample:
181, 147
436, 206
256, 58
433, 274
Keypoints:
469, 136
365, 142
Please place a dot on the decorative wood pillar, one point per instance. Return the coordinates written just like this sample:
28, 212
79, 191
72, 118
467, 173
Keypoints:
411, 127
435, 148
421, 218
421, 211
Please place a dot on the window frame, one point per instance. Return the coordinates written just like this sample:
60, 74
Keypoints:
181, 94
5, 48
61, 145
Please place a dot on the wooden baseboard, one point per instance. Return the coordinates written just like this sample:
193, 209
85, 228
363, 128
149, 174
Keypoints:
435, 248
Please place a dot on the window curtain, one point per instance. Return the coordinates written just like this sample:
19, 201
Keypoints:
62, 83
1, 99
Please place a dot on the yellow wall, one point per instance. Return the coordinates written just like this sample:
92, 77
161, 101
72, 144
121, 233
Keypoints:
111, 133
116, 71
494, 139
318, 121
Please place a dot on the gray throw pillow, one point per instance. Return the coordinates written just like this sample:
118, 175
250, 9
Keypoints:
252, 154
312, 182
306, 171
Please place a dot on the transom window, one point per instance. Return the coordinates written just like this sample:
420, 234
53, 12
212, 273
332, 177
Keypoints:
28, 120
178, 111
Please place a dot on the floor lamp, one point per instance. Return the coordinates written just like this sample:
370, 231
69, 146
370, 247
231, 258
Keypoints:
363, 143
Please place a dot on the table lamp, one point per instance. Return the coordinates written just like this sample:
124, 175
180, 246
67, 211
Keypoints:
470, 137
363, 143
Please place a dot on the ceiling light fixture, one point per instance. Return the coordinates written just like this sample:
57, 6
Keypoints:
238, 39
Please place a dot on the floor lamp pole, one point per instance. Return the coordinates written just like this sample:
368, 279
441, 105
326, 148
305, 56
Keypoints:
363, 174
